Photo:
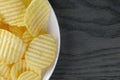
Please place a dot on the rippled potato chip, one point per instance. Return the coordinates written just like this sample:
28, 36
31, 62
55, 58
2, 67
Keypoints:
17, 69
38, 78
12, 48
2, 78
36, 17
41, 52
9, 78
26, 2
28, 75
13, 12
4, 26
18, 31
3, 63
4, 71
1, 18
27, 37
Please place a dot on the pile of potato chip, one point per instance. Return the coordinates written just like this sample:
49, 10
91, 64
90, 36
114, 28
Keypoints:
26, 49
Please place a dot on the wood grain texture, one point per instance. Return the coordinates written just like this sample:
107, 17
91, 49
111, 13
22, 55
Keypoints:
90, 33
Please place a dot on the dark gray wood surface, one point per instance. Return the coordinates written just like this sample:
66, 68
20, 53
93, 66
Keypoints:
90, 33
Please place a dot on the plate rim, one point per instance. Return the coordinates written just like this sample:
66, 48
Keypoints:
58, 45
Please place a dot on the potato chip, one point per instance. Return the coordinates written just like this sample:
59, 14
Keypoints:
13, 11
27, 37
36, 17
18, 31
4, 71
28, 75
1, 18
9, 78
4, 26
41, 52
12, 48
3, 62
17, 69
2, 78
26, 2
38, 78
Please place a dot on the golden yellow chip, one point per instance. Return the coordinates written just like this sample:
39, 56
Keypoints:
18, 31
38, 78
13, 11
26, 2
41, 52
3, 62
9, 78
12, 48
17, 69
28, 75
27, 37
4, 26
36, 17
2, 78
4, 71
1, 18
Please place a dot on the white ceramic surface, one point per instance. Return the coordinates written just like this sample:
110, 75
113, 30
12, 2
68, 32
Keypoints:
53, 28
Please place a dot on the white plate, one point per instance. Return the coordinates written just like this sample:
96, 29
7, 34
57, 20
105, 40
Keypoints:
53, 28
